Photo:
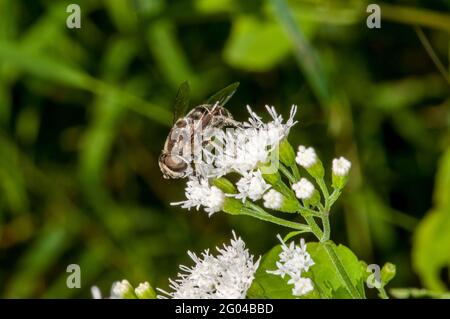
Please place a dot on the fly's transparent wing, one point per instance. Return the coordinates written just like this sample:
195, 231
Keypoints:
181, 101
223, 95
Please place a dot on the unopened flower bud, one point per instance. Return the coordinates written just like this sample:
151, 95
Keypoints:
388, 273
341, 168
145, 291
273, 199
307, 158
123, 290
303, 189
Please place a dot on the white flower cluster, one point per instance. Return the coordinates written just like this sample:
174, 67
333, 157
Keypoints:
293, 261
225, 276
200, 194
240, 149
252, 185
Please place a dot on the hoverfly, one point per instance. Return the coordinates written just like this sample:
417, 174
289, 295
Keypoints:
176, 157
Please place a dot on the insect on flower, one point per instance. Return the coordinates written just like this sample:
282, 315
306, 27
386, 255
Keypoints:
188, 132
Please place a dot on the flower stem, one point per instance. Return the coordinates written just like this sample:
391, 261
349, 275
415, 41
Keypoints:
315, 229
287, 173
354, 293
296, 172
382, 294
334, 196
326, 194
326, 227
257, 212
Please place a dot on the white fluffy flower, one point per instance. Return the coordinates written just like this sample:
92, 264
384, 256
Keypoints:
341, 166
225, 276
214, 200
293, 261
243, 148
277, 130
306, 156
200, 193
251, 185
252, 148
302, 286
273, 199
303, 189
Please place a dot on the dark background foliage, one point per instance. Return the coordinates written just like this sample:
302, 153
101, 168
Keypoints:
84, 114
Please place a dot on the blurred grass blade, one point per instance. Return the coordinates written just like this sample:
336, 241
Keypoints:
305, 55
53, 70
433, 56
416, 16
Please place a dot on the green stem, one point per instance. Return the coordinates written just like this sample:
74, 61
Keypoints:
257, 212
326, 194
287, 173
309, 212
315, 229
326, 227
329, 247
334, 196
383, 294
296, 172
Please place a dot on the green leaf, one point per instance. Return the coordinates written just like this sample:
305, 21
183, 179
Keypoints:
225, 185
232, 206
431, 243
247, 45
327, 282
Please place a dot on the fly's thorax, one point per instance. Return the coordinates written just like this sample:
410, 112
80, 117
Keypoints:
192, 137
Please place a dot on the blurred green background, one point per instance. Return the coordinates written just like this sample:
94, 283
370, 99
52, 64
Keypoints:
84, 114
